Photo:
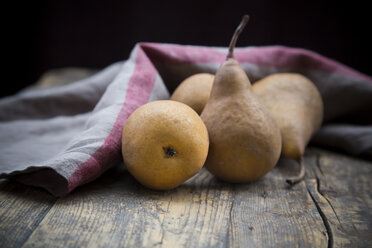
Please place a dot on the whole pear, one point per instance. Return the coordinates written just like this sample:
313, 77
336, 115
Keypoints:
245, 142
194, 91
164, 143
297, 107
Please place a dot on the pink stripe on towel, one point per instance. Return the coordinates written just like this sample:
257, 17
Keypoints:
273, 56
138, 93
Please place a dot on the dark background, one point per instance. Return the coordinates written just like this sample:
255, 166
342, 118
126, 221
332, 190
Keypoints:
43, 35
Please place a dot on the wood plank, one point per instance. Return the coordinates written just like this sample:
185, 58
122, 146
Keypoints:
341, 187
21, 210
115, 211
331, 208
269, 213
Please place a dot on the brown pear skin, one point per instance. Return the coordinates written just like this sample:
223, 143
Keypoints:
194, 91
297, 107
245, 142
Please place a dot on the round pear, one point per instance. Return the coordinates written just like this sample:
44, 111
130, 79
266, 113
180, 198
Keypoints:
164, 143
194, 91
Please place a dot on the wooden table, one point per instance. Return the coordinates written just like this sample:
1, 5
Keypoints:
331, 208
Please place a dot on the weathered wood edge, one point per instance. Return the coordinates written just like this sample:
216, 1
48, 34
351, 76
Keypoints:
22, 209
318, 183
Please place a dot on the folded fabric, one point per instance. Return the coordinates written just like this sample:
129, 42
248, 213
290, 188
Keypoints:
62, 137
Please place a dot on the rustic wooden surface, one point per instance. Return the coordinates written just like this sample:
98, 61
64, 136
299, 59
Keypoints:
331, 208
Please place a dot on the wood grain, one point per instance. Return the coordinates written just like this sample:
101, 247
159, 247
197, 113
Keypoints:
270, 213
21, 210
331, 208
341, 188
118, 212
204, 212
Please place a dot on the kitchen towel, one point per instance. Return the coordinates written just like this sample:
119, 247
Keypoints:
62, 137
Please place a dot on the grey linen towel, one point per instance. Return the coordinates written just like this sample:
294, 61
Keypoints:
62, 137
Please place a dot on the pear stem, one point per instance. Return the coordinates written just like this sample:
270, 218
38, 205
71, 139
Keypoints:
300, 176
238, 30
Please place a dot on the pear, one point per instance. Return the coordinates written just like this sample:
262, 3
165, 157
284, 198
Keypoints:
194, 91
164, 143
297, 107
245, 142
